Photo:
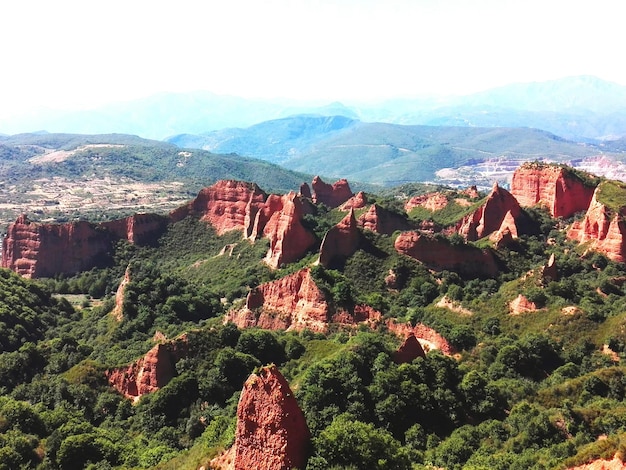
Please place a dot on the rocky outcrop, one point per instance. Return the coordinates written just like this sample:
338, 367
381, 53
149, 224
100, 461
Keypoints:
521, 305
549, 271
294, 302
382, 221
331, 195
305, 190
45, 250
615, 464
428, 337
500, 208
225, 205
149, 373
557, 188
118, 310
271, 432
340, 242
358, 201
139, 229
280, 220
604, 229
439, 254
409, 350
431, 201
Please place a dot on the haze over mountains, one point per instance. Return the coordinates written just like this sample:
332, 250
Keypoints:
580, 108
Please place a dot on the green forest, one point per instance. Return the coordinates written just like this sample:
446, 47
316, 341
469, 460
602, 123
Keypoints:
527, 391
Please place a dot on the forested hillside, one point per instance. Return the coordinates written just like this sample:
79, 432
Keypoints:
132, 365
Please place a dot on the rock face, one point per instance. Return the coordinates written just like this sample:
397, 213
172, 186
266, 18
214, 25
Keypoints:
427, 337
279, 219
357, 201
499, 206
118, 310
138, 229
558, 188
409, 350
521, 305
305, 190
271, 433
382, 221
431, 201
294, 302
340, 242
600, 464
439, 254
150, 373
45, 250
225, 205
331, 195
605, 230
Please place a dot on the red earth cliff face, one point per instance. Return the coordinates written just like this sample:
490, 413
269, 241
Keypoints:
43, 250
426, 336
224, 205
440, 254
431, 201
280, 221
605, 230
271, 433
150, 373
382, 221
489, 217
331, 195
558, 189
293, 302
341, 241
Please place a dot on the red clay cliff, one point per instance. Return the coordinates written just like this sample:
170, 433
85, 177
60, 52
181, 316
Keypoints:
340, 242
557, 188
331, 195
380, 220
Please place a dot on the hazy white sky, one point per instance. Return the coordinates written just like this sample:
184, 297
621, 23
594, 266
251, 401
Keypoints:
78, 53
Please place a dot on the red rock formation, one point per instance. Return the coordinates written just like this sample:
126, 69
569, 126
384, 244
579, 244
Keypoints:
149, 373
357, 201
471, 192
431, 201
549, 271
271, 433
382, 221
603, 229
556, 187
45, 250
137, 229
521, 305
439, 254
225, 205
409, 350
340, 242
427, 336
118, 310
331, 195
293, 302
499, 209
305, 190
279, 219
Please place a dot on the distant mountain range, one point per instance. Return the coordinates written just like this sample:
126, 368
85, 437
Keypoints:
389, 154
582, 109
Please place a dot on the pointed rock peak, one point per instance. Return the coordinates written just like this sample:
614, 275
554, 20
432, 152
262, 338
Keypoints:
22, 219
495, 188
551, 260
349, 220
271, 429
358, 201
305, 190
409, 350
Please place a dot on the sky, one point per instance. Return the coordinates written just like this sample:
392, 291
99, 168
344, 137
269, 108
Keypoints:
74, 54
